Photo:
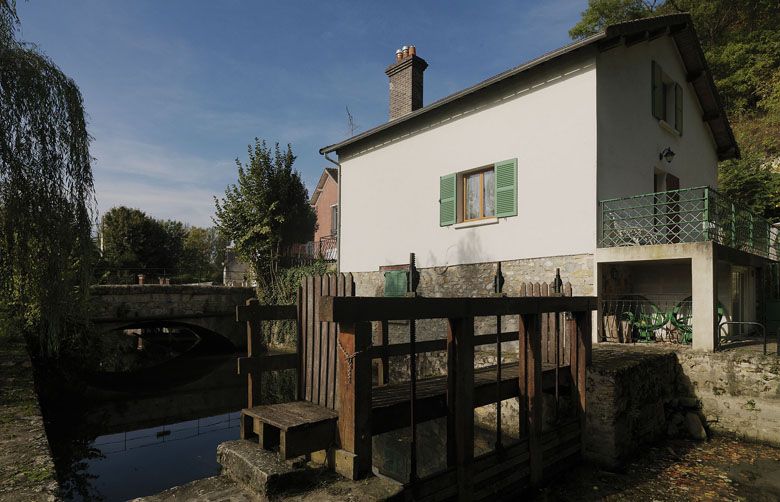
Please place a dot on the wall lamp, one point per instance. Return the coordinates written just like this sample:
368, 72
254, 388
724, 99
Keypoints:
667, 155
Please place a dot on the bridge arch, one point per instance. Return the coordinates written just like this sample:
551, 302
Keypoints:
210, 309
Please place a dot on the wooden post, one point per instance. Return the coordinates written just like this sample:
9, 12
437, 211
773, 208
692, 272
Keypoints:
460, 402
254, 346
353, 460
533, 386
382, 340
582, 346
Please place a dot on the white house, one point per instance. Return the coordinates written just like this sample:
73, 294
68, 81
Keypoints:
543, 166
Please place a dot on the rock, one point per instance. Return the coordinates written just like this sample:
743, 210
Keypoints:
689, 402
672, 431
678, 419
695, 427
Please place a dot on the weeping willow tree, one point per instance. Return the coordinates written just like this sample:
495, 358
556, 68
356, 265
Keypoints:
46, 196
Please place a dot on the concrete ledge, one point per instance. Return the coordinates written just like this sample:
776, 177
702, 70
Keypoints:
258, 470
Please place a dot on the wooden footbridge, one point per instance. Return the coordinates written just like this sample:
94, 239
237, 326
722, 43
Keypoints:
343, 402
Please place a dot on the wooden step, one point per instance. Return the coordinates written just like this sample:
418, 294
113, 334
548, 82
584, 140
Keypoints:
295, 428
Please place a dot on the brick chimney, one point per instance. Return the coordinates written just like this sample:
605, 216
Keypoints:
406, 82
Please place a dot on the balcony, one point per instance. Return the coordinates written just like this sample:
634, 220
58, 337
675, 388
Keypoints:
688, 215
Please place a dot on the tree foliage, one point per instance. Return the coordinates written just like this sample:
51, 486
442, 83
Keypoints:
46, 194
266, 211
133, 242
741, 41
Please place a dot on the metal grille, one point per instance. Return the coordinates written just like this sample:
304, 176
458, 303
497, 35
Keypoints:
687, 215
639, 318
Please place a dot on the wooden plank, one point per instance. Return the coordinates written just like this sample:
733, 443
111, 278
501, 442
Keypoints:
534, 397
522, 375
309, 327
330, 375
290, 415
583, 320
317, 360
341, 290
357, 309
257, 312
390, 403
354, 382
324, 349
460, 399
303, 441
299, 343
270, 361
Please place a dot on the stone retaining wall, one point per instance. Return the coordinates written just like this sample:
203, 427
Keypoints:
639, 394
739, 391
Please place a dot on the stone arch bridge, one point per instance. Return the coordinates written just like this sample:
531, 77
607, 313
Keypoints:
212, 308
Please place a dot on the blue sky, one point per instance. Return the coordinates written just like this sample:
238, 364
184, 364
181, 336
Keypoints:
176, 90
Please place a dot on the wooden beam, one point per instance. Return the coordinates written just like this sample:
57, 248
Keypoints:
695, 75
357, 309
634, 39
354, 384
257, 312
270, 361
533, 370
460, 402
401, 349
710, 116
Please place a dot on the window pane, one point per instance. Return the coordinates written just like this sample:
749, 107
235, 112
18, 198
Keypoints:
490, 193
472, 196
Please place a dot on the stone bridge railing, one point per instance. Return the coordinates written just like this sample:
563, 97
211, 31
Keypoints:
209, 307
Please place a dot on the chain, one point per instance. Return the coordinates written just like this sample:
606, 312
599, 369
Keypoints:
350, 360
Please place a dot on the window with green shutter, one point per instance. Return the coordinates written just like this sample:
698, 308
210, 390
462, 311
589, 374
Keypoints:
396, 283
506, 188
447, 200
657, 90
667, 98
484, 193
678, 108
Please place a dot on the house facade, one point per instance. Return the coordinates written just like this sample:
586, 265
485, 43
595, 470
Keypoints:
325, 201
598, 159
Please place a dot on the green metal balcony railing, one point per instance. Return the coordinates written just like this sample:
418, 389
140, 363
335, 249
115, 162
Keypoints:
688, 215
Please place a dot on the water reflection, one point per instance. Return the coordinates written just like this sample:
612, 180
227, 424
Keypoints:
124, 435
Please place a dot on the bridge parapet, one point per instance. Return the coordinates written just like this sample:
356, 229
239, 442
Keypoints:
210, 307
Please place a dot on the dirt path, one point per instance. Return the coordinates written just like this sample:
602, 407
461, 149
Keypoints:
26, 467
718, 469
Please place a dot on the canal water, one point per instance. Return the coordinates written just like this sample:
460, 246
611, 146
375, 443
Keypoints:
117, 435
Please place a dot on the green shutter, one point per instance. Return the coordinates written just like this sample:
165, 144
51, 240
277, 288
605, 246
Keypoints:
678, 108
506, 188
395, 283
447, 196
657, 91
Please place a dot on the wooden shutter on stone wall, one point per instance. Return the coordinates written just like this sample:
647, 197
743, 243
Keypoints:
506, 188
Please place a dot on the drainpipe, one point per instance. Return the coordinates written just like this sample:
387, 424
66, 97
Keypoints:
339, 212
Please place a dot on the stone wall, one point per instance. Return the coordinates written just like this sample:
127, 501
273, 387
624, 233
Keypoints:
739, 391
626, 394
476, 280
209, 307
639, 394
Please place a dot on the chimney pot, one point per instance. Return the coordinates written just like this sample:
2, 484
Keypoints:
406, 51
399, 55
412, 50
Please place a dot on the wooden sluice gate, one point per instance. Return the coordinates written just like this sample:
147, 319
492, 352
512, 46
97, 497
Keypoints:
345, 398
